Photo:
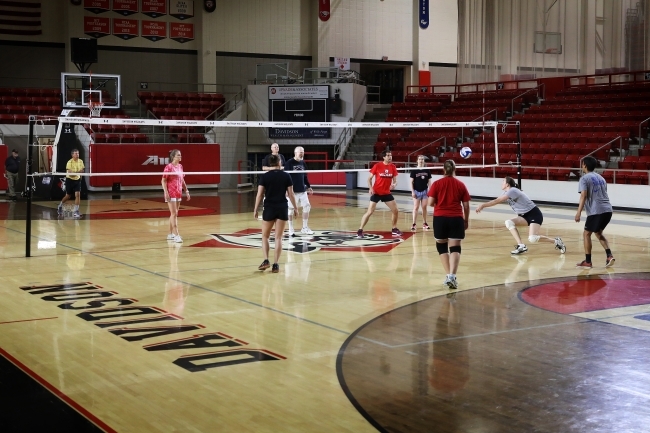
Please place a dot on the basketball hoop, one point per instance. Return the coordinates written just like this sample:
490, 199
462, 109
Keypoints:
95, 108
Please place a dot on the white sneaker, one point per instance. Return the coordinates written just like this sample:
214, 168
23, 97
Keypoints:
451, 283
519, 249
178, 239
292, 234
76, 214
306, 231
559, 245
59, 209
170, 237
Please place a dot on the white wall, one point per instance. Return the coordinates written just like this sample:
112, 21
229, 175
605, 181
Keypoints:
628, 196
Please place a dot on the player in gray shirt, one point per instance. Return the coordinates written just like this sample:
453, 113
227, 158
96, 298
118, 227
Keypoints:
527, 213
595, 201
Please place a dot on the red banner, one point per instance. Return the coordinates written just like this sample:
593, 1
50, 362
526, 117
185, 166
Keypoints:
97, 6
125, 29
151, 158
181, 32
154, 30
181, 9
97, 27
154, 8
125, 7
324, 10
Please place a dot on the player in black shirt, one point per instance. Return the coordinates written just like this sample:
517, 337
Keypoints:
301, 188
274, 186
420, 181
275, 150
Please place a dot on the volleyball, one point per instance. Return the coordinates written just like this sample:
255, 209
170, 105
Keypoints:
465, 152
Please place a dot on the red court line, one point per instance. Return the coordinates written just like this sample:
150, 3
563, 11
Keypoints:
92, 418
28, 320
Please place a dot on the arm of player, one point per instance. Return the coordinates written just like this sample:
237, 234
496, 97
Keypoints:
393, 182
581, 205
370, 190
164, 185
412, 188
466, 212
491, 203
292, 198
187, 191
307, 184
258, 200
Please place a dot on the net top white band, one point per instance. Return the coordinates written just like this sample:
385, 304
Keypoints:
266, 124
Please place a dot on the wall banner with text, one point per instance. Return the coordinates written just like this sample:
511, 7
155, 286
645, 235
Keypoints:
125, 29
154, 30
125, 7
424, 14
97, 6
181, 32
154, 8
181, 9
97, 27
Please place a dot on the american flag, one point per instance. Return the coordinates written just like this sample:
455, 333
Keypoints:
20, 17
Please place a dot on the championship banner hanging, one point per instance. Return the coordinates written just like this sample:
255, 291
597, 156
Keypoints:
97, 6
125, 7
153, 30
424, 14
125, 29
181, 9
97, 27
181, 32
209, 5
324, 10
154, 8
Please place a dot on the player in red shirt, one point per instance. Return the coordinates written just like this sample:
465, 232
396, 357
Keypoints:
385, 174
173, 183
450, 201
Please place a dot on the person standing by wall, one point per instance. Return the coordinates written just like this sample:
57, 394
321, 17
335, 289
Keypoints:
450, 200
12, 166
275, 150
595, 201
301, 188
73, 183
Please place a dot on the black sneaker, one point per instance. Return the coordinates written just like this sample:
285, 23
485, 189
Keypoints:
276, 268
265, 265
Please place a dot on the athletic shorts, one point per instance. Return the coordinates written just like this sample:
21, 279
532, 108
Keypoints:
301, 200
448, 227
376, 198
421, 195
173, 199
274, 212
597, 223
72, 185
533, 216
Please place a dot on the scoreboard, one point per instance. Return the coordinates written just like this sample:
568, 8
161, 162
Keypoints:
299, 104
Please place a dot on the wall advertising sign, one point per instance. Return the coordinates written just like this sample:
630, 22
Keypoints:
342, 63
424, 14
125, 7
97, 6
97, 27
125, 29
181, 32
181, 9
154, 8
153, 30
299, 92
299, 104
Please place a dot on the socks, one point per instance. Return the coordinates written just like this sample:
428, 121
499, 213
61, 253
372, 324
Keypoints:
588, 258
608, 252
290, 225
304, 224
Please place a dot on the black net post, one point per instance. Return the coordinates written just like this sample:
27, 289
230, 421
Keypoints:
29, 181
518, 124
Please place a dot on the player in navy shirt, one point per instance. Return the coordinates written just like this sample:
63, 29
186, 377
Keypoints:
301, 188
420, 182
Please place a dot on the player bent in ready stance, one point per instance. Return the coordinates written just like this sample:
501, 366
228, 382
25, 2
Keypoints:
385, 174
527, 213
274, 186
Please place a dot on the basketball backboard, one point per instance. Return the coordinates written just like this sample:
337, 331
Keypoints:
80, 89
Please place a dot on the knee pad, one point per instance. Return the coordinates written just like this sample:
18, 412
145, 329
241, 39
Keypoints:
454, 249
442, 248
510, 225
533, 239
306, 209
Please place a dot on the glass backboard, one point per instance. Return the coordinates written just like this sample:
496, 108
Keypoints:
79, 90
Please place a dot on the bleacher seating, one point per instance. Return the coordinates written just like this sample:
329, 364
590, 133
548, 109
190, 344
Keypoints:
178, 104
17, 104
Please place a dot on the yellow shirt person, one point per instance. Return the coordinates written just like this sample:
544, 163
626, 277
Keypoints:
72, 183
74, 166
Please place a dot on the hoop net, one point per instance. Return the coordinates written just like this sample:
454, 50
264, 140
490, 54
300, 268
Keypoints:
95, 108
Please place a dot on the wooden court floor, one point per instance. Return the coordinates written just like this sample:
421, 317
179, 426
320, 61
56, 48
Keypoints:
108, 327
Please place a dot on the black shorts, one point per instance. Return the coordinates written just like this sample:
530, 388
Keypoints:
533, 216
448, 227
274, 212
72, 185
377, 198
597, 223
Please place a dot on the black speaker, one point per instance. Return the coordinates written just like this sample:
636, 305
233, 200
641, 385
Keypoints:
83, 50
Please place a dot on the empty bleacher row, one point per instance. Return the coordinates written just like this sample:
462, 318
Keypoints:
174, 104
